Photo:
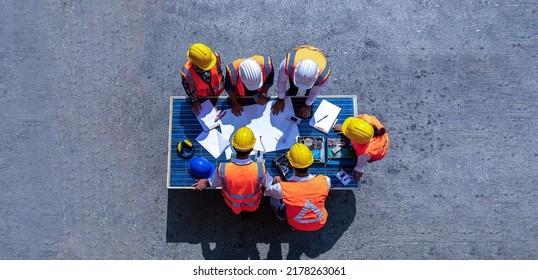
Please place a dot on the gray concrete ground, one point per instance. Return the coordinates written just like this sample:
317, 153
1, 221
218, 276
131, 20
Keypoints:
84, 99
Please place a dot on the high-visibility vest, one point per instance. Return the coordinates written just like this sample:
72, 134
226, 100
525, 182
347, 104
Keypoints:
242, 185
198, 86
377, 147
305, 203
233, 72
308, 52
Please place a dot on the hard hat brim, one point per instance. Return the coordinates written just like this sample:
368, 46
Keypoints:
258, 86
213, 62
303, 86
345, 125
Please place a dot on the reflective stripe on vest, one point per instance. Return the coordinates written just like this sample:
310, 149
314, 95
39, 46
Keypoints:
235, 79
309, 206
305, 203
377, 148
198, 86
308, 52
187, 74
241, 202
233, 73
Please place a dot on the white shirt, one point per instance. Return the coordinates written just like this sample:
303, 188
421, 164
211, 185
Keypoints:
362, 161
283, 79
275, 190
215, 181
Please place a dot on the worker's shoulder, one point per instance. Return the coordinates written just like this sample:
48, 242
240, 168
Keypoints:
323, 175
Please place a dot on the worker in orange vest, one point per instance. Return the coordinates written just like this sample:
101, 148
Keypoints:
369, 139
252, 76
300, 200
305, 68
202, 74
241, 178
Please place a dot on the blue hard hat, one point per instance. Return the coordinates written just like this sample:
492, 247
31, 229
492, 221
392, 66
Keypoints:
201, 168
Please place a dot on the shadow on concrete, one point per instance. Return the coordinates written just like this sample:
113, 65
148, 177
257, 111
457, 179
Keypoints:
203, 217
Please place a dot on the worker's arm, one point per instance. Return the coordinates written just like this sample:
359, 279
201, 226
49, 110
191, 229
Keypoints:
195, 103
306, 109
267, 180
273, 190
314, 92
230, 89
262, 96
362, 161
270, 80
282, 79
212, 182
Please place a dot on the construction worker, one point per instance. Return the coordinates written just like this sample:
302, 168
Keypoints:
300, 200
249, 77
369, 139
241, 179
306, 68
202, 74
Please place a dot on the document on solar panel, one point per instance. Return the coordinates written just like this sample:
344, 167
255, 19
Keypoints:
325, 116
272, 132
208, 115
213, 141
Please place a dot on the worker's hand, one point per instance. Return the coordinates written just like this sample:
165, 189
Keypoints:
278, 107
200, 184
304, 112
262, 99
357, 175
196, 106
278, 179
237, 108
338, 128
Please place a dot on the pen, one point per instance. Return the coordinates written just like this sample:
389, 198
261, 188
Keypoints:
322, 118
220, 115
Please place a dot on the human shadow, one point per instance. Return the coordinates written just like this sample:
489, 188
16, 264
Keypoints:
203, 217
341, 208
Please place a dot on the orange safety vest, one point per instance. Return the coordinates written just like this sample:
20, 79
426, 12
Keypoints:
233, 72
308, 52
242, 185
305, 203
377, 147
198, 86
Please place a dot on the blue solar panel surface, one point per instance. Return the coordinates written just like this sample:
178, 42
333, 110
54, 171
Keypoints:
184, 125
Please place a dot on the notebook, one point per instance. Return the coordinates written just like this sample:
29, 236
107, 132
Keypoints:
325, 116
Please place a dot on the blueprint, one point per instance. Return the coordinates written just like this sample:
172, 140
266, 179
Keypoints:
272, 132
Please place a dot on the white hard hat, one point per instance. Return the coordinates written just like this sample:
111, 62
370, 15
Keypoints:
306, 73
250, 73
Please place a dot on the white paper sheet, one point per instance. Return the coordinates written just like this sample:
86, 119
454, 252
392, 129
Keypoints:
325, 116
207, 116
213, 141
276, 132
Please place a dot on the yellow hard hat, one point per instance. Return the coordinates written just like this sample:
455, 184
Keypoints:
358, 130
300, 156
201, 56
243, 139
